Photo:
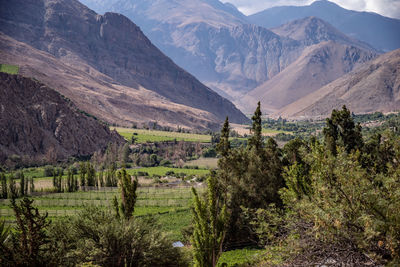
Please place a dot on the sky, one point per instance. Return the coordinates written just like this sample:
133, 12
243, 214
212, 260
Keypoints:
389, 8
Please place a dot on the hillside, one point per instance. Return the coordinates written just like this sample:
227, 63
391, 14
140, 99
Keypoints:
381, 32
38, 124
319, 65
373, 87
313, 30
110, 48
221, 48
98, 94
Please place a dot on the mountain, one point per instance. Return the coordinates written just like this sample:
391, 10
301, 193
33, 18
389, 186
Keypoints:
98, 94
381, 32
218, 46
112, 49
313, 30
38, 122
318, 65
373, 87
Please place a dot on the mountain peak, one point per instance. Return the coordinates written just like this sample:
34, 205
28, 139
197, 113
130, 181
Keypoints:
313, 30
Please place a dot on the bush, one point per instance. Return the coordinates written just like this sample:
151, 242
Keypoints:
165, 162
346, 203
140, 173
210, 153
169, 173
48, 171
97, 236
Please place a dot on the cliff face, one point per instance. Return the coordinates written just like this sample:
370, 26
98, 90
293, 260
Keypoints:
38, 122
110, 44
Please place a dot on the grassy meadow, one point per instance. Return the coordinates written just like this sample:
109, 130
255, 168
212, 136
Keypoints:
144, 136
11, 69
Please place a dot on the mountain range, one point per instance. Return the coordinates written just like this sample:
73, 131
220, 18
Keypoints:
381, 32
109, 68
375, 86
137, 81
238, 55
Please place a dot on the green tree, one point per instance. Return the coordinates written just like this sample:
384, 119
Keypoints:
256, 139
82, 172
341, 130
128, 187
30, 237
3, 185
210, 225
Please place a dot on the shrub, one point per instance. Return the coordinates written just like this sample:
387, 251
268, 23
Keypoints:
346, 203
48, 171
97, 236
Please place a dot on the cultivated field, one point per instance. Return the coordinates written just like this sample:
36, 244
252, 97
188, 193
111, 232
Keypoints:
207, 163
170, 206
143, 136
11, 69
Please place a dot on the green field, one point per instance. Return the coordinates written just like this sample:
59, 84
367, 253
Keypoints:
161, 171
11, 69
272, 132
206, 163
144, 136
240, 257
169, 205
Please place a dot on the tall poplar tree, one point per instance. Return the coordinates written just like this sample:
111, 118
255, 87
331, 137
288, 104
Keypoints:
210, 226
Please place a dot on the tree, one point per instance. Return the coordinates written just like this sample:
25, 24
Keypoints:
30, 237
82, 170
3, 185
224, 146
22, 183
210, 225
128, 187
341, 130
256, 140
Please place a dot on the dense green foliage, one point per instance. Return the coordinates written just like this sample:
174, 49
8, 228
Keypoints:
209, 223
343, 193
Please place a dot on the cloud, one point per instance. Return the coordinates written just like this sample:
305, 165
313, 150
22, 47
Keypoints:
389, 8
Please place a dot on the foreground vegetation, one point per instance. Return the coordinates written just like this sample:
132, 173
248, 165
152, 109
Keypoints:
329, 196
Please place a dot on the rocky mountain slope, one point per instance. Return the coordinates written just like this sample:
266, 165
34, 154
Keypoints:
98, 94
38, 122
319, 65
373, 87
111, 48
381, 32
220, 47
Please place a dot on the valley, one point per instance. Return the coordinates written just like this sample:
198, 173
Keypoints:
186, 133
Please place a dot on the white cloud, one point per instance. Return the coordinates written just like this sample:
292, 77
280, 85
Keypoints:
390, 8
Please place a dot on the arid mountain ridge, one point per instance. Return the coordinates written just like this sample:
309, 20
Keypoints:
113, 50
233, 57
38, 122
375, 86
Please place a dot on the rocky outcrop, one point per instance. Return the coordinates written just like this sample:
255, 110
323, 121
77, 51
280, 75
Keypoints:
112, 45
38, 122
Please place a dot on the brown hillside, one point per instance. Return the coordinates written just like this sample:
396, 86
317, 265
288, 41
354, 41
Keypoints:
97, 93
317, 66
38, 122
110, 44
373, 87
